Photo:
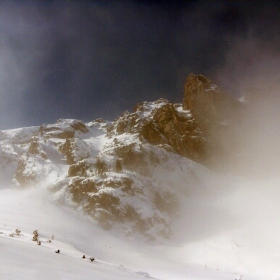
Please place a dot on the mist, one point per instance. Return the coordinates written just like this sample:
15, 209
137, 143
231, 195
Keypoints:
257, 127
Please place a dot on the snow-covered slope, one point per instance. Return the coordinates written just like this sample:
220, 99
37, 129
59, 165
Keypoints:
58, 230
217, 238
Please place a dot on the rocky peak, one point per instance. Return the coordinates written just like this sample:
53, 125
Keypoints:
63, 129
163, 124
210, 106
218, 115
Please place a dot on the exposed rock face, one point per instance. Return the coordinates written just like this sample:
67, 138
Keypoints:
38, 149
210, 106
74, 149
110, 186
165, 125
113, 199
25, 173
63, 130
218, 115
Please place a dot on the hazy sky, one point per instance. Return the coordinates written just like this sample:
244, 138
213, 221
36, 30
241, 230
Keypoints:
91, 59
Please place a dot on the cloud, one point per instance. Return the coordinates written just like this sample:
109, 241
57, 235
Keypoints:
71, 60
91, 59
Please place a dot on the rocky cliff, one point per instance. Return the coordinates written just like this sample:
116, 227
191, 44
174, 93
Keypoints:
129, 173
218, 115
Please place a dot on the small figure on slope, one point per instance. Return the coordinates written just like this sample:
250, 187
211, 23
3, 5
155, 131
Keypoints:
36, 235
18, 231
57, 251
38, 242
84, 256
91, 259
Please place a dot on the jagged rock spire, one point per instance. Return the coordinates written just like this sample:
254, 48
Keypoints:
209, 105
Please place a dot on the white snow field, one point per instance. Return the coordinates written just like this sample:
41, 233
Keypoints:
229, 235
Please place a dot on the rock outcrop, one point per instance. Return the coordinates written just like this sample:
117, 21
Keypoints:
218, 115
210, 106
125, 174
165, 125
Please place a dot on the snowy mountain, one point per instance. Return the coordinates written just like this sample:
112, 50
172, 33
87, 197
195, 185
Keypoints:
160, 176
129, 173
115, 172
111, 172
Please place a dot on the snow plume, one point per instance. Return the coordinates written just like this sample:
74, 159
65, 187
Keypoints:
251, 72
236, 228
250, 61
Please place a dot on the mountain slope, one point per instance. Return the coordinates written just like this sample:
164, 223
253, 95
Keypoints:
113, 172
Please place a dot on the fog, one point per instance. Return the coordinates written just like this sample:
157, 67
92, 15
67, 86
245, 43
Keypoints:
258, 132
232, 227
228, 226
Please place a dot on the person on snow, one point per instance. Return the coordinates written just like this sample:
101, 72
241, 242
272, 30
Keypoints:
36, 235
